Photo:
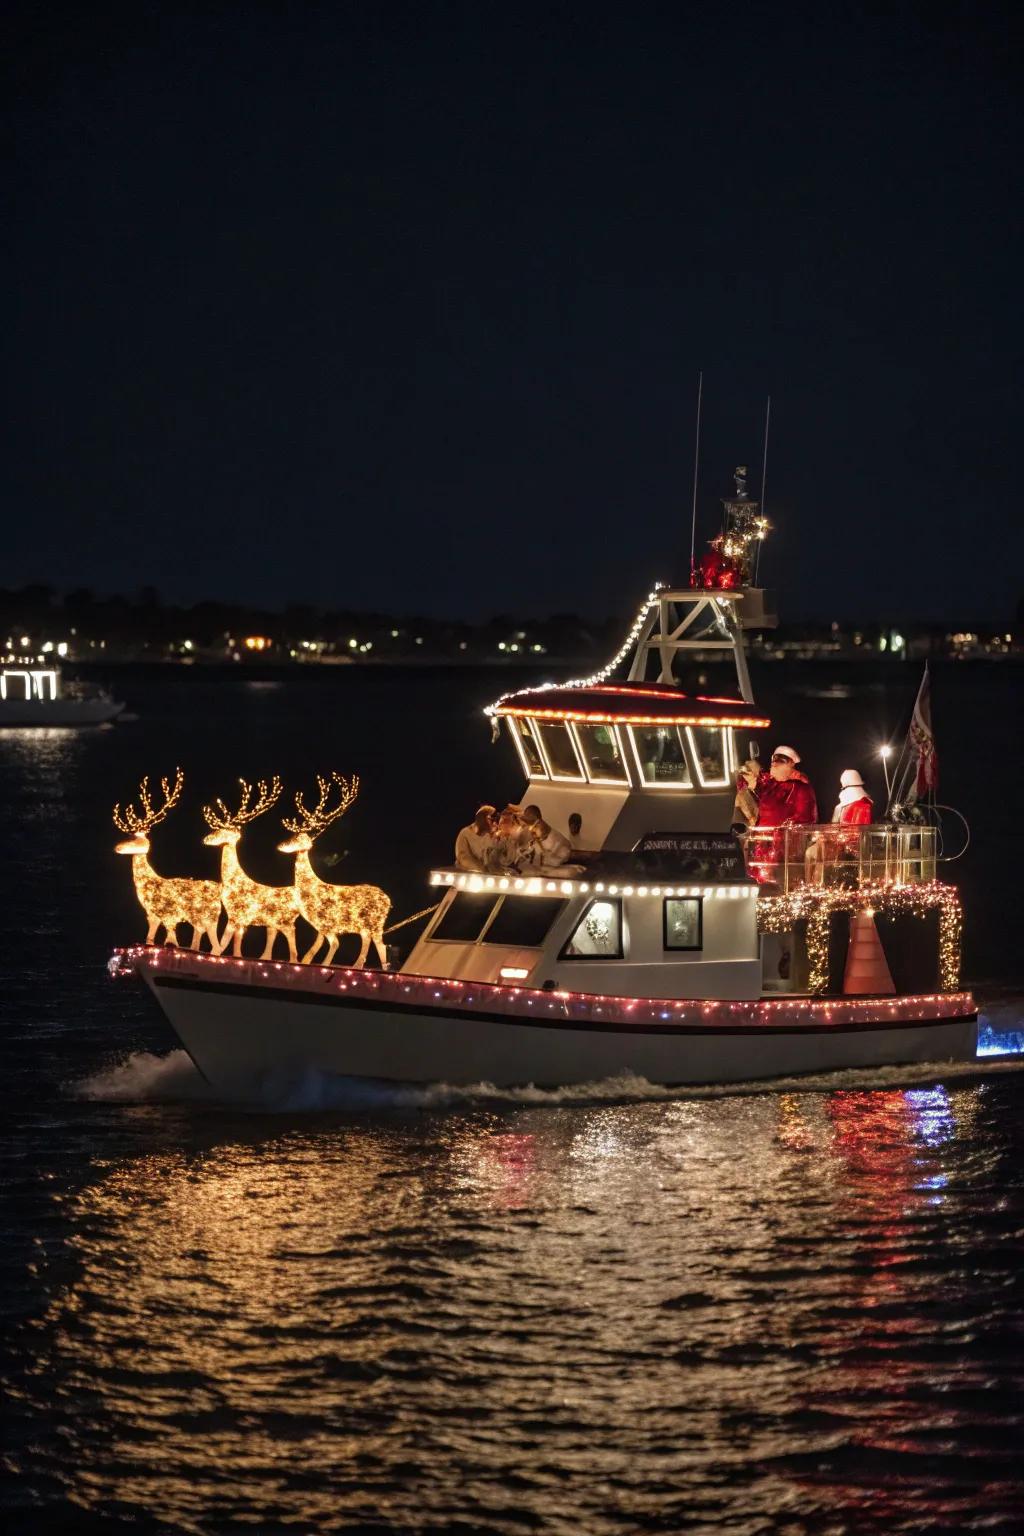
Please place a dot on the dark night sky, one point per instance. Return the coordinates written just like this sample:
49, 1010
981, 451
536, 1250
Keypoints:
402, 306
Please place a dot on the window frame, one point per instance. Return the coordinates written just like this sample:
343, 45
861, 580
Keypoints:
723, 782
513, 722
673, 784
435, 938
682, 949
620, 954
558, 902
595, 725
558, 778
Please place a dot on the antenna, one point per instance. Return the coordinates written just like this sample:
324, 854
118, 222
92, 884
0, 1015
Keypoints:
696, 467
764, 478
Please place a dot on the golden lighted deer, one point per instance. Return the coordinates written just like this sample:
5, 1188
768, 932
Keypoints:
247, 903
333, 909
166, 903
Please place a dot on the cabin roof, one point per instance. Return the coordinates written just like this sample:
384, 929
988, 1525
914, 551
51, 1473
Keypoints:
631, 704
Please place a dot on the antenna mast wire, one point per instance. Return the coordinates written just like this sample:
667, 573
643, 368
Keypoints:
764, 478
696, 467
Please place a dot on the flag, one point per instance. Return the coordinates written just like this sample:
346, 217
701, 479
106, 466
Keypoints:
922, 742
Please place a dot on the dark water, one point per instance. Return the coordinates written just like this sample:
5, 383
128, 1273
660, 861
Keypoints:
610, 1309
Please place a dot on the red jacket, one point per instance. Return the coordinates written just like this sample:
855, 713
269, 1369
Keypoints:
779, 803
857, 814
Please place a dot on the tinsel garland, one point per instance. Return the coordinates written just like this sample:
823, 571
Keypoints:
779, 914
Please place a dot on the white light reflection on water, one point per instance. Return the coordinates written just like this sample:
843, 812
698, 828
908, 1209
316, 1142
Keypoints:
748, 1305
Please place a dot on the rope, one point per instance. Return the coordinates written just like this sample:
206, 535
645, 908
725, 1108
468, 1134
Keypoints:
406, 920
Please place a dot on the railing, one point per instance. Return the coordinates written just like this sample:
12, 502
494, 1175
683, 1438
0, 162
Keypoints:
833, 855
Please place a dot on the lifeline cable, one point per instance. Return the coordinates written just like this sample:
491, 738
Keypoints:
406, 920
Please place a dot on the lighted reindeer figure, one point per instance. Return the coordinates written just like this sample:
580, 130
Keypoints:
333, 909
166, 903
247, 903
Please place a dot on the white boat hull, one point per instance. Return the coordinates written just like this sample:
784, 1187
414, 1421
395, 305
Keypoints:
249, 1027
57, 712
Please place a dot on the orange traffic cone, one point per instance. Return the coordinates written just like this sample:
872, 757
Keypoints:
867, 973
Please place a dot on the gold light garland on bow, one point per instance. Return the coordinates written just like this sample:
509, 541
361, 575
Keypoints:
779, 914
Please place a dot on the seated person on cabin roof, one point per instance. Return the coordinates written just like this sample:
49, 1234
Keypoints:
546, 850
544, 845
475, 844
508, 839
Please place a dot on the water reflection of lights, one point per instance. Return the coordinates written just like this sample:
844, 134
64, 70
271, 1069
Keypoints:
642, 1280
932, 1114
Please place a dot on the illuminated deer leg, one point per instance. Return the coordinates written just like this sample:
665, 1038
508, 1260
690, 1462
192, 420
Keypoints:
211, 934
225, 939
360, 959
331, 949
307, 957
289, 934
268, 948
171, 931
154, 924
196, 936
236, 945
381, 948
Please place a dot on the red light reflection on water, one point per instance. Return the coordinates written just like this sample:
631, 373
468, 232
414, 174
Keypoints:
887, 1347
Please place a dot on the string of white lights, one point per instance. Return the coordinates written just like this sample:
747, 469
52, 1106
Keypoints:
595, 677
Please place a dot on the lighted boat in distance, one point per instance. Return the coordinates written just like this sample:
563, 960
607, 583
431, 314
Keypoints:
657, 953
34, 694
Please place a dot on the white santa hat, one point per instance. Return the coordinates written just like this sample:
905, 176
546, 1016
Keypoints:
850, 778
793, 756
852, 794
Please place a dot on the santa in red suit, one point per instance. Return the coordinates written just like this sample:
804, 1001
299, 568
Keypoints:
785, 798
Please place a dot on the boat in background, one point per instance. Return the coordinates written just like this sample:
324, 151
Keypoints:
34, 694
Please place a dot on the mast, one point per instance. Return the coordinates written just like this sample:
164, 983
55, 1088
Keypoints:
718, 606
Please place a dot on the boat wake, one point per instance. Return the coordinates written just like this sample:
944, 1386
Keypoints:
146, 1078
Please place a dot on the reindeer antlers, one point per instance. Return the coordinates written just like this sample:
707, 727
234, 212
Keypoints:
315, 821
134, 824
219, 818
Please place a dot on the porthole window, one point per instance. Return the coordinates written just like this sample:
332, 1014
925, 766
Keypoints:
684, 922
598, 934
660, 756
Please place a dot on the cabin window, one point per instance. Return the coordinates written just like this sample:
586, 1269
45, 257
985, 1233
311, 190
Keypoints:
559, 749
601, 752
660, 756
523, 921
526, 743
708, 745
464, 919
598, 934
684, 922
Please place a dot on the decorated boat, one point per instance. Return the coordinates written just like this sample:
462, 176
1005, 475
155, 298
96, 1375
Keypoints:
672, 941
33, 693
